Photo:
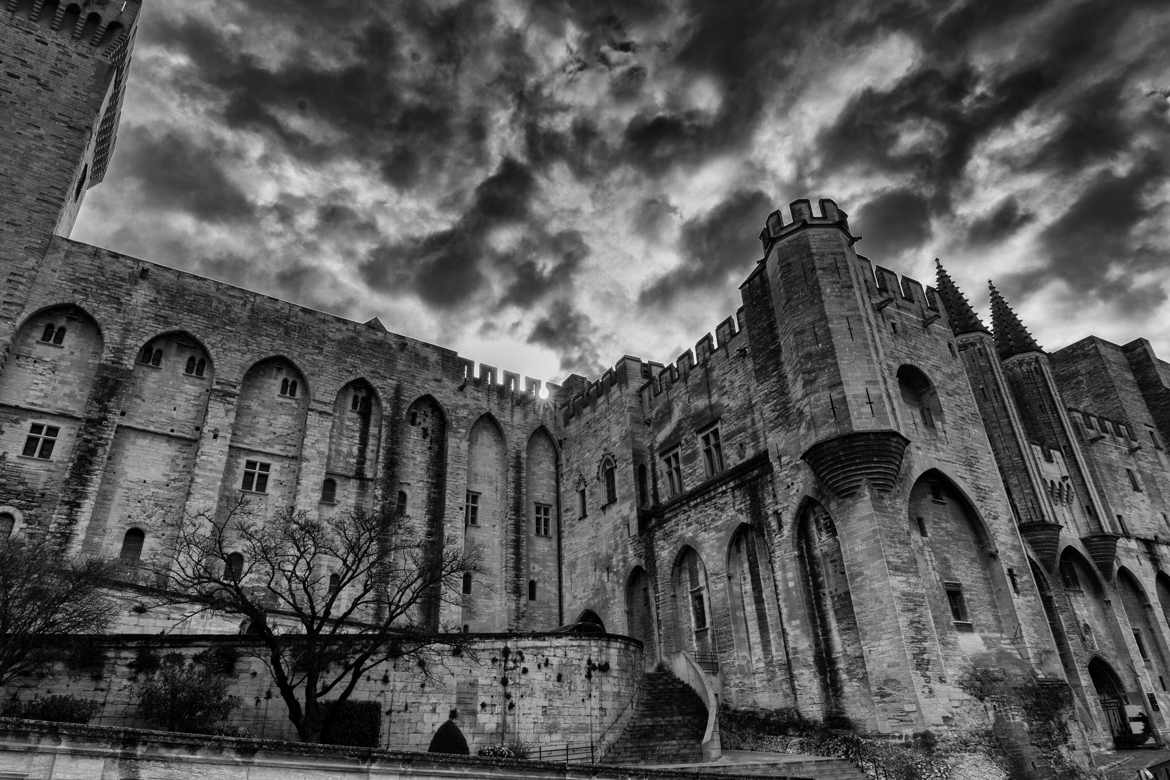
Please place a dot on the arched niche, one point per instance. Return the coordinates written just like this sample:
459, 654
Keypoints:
1146, 634
837, 654
268, 431
1110, 694
422, 486
169, 385
353, 440
750, 585
53, 361
1162, 587
271, 408
485, 530
956, 558
1088, 604
919, 396
640, 614
542, 517
692, 605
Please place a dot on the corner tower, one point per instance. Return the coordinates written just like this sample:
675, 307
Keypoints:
62, 73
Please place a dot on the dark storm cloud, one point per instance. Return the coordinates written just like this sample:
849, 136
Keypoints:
998, 224
178, 172
534, 279
1094, 245
397, 95
570, 333
715, 247
451, 266
893, 222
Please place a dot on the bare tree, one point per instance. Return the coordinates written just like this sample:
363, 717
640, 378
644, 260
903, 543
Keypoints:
327, 599
42, 598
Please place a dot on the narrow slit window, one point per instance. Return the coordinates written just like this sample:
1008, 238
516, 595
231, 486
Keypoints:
609, 476
543, 515
234, 567
532, 590
957, 603
329, 491
471, 508
467, 583
132, 546
712, 452
672, 465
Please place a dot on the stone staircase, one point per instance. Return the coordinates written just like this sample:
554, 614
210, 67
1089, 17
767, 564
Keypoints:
666, 727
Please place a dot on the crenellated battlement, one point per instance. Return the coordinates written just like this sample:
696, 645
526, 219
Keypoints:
628, 372
801, 215
886, 288
730, 334
105, 27
488, 376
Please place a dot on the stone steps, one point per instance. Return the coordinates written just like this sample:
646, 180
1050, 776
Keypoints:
667, 726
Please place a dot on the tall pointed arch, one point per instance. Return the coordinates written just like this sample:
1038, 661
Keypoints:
422, 486
485, 531
837, 651
354, 434
541, 536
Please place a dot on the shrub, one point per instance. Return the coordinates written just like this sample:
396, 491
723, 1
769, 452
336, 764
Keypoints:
496, 751
58, 708
352, 723
145, 660
85, 654
186, 697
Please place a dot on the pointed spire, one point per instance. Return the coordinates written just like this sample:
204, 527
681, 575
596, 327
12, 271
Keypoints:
960, 315
1011, 337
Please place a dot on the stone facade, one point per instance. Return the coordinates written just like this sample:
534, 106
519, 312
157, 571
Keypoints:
560, 691
846, 501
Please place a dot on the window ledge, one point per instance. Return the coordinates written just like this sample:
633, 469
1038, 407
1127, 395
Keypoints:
328, 501
964, 625
140, 364
36, 459
254, 492
51, 344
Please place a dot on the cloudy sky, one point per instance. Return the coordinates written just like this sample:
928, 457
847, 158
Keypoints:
546, 186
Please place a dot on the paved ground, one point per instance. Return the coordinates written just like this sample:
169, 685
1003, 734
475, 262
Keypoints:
1124, 764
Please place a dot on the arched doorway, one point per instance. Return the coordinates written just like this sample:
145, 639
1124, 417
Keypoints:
640, 614
1110, 694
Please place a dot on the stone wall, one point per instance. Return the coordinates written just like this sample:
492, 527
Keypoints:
560, 689
142, 441
49, 751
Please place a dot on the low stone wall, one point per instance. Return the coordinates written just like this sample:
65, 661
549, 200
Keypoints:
51, 751
561, 689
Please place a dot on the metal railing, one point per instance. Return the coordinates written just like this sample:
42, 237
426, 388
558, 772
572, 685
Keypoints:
708, 662
568, 753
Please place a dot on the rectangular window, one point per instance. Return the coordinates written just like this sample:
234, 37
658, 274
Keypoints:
543, 517
672, 464
957, 603
256, 476
41, 440
1133, 481
1153, 702
471, 508
532, 590
712, 452
581, 502
698, 609
610, 474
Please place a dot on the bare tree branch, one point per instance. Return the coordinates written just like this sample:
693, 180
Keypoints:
328, 600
